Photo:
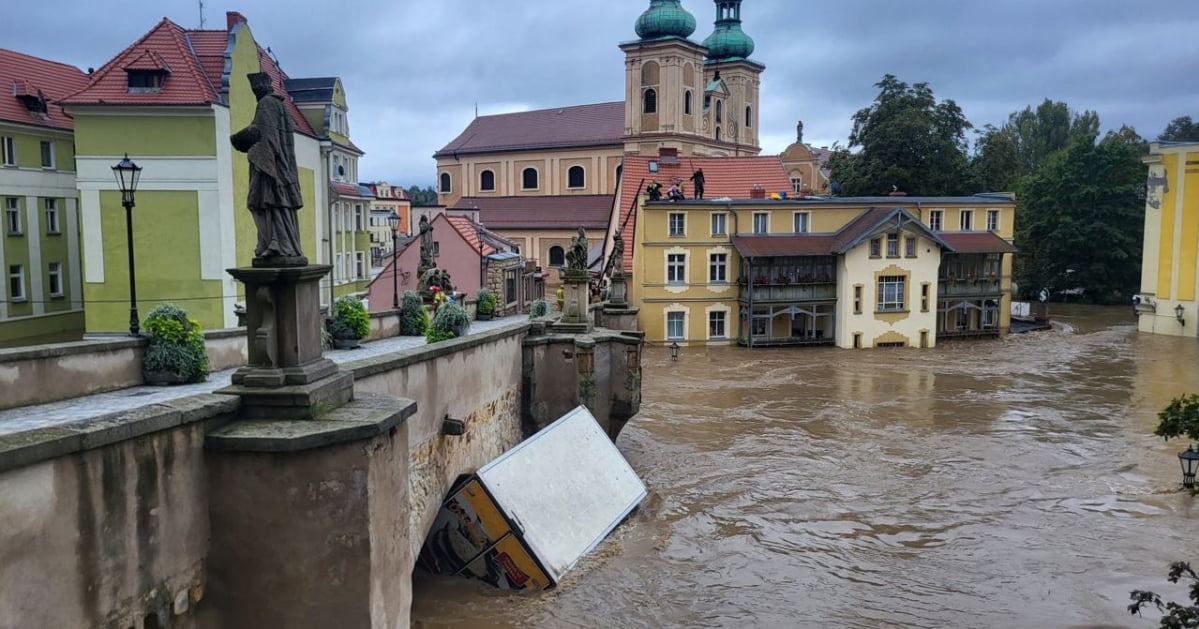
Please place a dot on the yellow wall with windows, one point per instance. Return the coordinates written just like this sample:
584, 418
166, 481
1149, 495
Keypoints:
1170, 261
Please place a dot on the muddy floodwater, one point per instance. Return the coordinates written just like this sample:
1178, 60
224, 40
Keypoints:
1011, 483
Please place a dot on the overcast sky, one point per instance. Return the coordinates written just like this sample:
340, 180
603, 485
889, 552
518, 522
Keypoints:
414, 71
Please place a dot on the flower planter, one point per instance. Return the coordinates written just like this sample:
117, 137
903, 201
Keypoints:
346, 343
484, 316
162, 378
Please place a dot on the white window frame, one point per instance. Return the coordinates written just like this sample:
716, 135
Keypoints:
966, 220
765, 227
52, 222
580, 186
55, 277
892, 293
360, 265
337, 268
8, 151
720, 223
936, 220
47, 149
910, 246
992, 220
720, 317
893, 245
12, 216
493, 182
876, 248
678, 318
796, 184
357, 217
676, 224
806, 220
676, 268
536, 174
19, 276
718, 268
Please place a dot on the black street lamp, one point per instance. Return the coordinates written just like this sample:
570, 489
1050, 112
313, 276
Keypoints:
674, 351
1189, 459
128, 174
394, 221
1178, 312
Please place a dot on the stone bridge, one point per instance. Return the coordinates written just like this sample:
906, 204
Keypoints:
179, 514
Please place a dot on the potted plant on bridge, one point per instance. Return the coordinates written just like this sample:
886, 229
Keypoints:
485, 304
539, 308
350, 323
451, 321
176, 353
414, 319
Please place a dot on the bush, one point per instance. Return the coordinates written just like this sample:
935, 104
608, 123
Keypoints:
176, 344
540, 308
350, 319
1180, 419
414, 319
450, 319
1177, 615
486, 301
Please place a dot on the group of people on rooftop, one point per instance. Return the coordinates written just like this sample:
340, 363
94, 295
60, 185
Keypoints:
675, 192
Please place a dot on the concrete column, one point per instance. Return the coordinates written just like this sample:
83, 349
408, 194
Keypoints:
33, 236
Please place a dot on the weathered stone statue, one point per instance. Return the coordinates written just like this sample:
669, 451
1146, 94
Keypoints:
576, 257
274, 195
426, 244
615, 264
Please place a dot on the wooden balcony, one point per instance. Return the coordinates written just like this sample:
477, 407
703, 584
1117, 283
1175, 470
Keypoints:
967, 287
790, 293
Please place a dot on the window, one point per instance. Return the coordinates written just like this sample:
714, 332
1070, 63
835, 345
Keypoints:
893, 245
966, 220
337, 268
436, 248
687, 103
576, 177
757, 325
719, 111
719, 224
16, 282
992, 220
358, 217
528, 179
676, 266
47, 154
718, 266
145, 81
487, 181
8, 156
674, 325
717, 134
677, 224
557, 256
650, 102
716, 325
749, 116
909, 246
924, 297
12, 216
796, 184
445, 183
55, 279
707, 101
761, 222
934, 220
857, 340
890, 293
857, 299
801, 222
875, 248
52, 216
360, 265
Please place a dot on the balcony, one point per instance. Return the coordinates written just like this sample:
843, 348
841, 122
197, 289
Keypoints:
969, 287
817, 291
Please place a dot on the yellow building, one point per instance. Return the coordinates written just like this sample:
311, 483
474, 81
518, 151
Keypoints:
1169, 282
859, 272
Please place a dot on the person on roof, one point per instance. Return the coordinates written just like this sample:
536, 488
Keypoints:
654, 190
675, 193
698, 178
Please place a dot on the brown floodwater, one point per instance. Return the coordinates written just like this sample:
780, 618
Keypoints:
1012, 483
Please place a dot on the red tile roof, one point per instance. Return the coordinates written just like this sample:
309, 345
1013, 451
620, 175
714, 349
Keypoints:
278, 82
210, 48
583, 125
549, 212
347, 189
731, 177
976, 242
476, 235
25, 75
166, 44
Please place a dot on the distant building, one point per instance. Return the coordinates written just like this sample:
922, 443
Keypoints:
387, 201
42, 299
805, 166
1169, 297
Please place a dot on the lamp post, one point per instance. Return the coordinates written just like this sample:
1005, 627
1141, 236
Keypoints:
393, 220
674, 350
1178, 311
128, 174
1189, 460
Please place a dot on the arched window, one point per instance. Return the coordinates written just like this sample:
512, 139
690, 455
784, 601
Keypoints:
717, 134
687, 103
749, 117
528, 179
445, 182
575, 177
557, 256
487, 181
719, 111
651, 102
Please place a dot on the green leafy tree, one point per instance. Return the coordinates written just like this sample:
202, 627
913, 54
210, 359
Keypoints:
1041, 133
1180, 419
906, 140
1083, 212
995, 166
1128, 135
1177, 616
1180, 129
422, 196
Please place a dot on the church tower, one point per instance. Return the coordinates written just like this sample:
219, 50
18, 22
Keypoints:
732, 83
664, 82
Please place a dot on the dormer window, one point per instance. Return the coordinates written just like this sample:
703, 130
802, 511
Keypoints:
146, 81
34, 104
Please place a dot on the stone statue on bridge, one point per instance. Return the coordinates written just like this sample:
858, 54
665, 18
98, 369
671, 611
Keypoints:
576, 256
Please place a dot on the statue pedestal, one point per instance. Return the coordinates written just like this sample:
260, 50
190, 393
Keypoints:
576, 299
286, 376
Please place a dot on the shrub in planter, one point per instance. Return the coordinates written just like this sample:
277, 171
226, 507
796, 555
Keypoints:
414, 319
539, 308
450, 321
485, 306
176, 352
351, 322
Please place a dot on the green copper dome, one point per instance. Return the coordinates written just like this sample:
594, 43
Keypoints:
665, 18
728, 42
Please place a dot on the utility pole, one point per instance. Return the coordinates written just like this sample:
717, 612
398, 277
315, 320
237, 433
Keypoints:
203, 22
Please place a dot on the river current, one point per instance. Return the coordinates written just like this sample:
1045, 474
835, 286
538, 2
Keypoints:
1010, 483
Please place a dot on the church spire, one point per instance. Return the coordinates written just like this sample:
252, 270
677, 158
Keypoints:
728, 42
663, 19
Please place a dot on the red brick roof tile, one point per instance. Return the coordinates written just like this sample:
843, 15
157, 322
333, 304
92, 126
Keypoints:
583, 125
542, 212
23, 75
278, 81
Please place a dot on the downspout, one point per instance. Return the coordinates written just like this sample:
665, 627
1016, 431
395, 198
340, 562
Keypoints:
326, 149
749, 341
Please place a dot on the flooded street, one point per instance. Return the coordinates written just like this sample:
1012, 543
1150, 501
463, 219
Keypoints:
1011, 483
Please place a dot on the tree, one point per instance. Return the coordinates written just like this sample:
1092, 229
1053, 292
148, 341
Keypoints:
1179, 419
1082, 212
1177, 616
1129, 136
908, 141
1180, 129
1050, 128
422, 196
995, 166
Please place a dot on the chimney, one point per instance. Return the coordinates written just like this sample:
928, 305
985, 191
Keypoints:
233, 18
757, 192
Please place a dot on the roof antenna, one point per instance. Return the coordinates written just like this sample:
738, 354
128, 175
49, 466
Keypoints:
203, 22
476, 109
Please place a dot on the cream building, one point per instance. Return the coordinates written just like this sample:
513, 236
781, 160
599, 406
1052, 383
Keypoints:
1169, 299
